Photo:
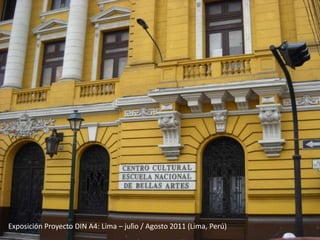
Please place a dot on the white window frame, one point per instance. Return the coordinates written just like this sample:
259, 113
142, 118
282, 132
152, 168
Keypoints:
200, 27
105, 21
46, 11
46, 33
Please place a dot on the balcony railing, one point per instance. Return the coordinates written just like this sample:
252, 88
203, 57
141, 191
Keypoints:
226, 68
260, 65
96, 89
215, 67
32, 96
80, 93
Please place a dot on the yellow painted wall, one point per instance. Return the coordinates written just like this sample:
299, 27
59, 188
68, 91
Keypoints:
269, 181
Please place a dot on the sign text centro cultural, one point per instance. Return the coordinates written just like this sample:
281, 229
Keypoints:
166, 176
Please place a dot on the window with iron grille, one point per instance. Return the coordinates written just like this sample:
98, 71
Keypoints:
3, 62
52, 62
224, 28
8, 7
56, 4
223, 179
115, 53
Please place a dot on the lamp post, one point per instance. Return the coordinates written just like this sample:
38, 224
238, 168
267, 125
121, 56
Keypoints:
75, 121
294, 55
145, 26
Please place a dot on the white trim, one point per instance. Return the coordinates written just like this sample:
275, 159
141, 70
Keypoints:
46, 11
198, 30
247, 26
4, 39
56, 32
104, 21
200, 26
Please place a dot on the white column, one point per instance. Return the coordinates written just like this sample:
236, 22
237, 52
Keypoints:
18, 45
75, 39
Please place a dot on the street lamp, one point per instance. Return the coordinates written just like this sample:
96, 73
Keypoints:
294, 55
145, 26
75, 121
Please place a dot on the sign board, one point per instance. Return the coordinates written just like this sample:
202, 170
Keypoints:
165, 176
311, 143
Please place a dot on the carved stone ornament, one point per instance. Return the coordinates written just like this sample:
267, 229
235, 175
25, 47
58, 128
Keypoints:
220, 118
143, 112
303, 101
25, 126
270, 118
169, 122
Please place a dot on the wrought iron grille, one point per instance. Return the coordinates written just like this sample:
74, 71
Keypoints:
27, 184
94, 181
223, 179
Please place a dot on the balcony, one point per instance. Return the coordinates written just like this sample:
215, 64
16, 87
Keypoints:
58, 94
172, 74
220, 69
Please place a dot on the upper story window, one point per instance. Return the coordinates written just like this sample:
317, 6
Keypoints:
3, 61
115, 53
56, 4
8, 7
224, 28
52, 62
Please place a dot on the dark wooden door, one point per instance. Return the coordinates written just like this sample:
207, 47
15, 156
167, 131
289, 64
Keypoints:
27, 184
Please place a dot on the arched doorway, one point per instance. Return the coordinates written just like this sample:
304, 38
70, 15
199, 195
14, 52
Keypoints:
223, 186
27, 184
94, 181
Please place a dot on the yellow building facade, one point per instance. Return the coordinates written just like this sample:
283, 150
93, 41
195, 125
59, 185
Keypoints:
190, 140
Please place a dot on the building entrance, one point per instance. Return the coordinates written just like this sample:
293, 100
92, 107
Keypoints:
27, 184
223, 182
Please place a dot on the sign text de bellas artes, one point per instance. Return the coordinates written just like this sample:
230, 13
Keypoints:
166, 176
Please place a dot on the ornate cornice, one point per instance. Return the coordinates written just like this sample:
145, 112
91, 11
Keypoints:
25, 126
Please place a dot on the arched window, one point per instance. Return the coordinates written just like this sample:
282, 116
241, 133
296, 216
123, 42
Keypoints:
223, 179
94, 181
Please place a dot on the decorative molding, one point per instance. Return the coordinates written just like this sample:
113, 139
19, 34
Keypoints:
270, 118
303, 101
113, 13
133, 101
92, 132
241, 97
218, 99
143, 112
25, 126
52, 25
166, 106
194, 101
170, 124
220, 118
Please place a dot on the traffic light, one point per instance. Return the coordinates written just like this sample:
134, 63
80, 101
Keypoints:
294, 54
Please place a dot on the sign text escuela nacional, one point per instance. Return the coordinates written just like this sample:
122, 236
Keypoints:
164, 176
